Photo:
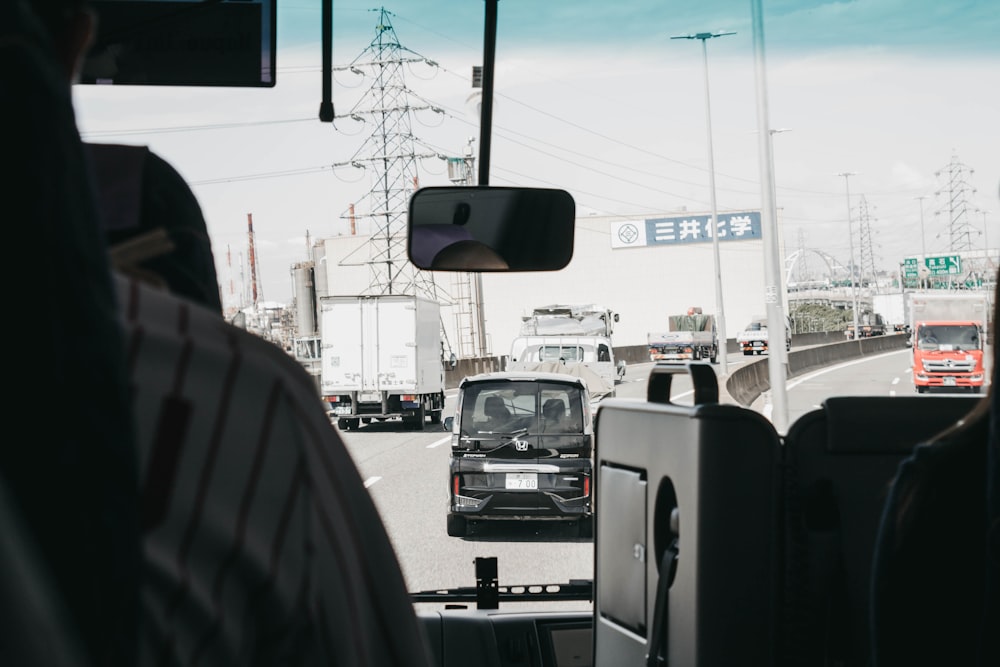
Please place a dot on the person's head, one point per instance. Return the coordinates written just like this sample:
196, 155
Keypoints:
494, 407
71, 25
553, 409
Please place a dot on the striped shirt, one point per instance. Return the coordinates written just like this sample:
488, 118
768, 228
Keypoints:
260, 543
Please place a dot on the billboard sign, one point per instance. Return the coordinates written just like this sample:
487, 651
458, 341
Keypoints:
739, 226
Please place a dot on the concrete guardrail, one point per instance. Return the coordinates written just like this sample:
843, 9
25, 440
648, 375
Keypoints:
631, 354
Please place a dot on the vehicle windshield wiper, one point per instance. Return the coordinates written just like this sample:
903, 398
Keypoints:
487, 593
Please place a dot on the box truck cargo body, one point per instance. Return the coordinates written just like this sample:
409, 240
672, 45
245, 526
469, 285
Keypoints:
381, 359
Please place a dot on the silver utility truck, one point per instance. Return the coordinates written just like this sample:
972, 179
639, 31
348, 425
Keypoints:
578, 334
381, 359
691, 337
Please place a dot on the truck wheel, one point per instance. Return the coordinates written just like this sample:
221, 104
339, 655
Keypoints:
921, 389
747, 353
457, 526
715, 356
436, 416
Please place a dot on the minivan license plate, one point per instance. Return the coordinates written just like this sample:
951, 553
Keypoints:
522, 480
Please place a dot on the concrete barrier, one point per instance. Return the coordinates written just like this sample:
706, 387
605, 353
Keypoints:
746, 384
473, 366
748, 381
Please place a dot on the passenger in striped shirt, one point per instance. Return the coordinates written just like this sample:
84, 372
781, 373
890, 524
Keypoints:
261, 544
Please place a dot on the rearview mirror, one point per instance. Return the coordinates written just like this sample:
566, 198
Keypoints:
479, 228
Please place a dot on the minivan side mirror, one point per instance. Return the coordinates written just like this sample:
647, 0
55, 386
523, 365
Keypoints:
480, 228
448, 423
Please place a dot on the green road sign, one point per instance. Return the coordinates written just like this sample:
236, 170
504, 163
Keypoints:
942, 265
945, 265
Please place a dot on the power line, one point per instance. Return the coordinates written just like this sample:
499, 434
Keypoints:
191, 128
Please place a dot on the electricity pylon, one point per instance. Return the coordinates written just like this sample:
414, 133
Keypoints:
390, 153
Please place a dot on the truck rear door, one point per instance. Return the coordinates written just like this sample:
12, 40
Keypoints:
342, 340
394, 360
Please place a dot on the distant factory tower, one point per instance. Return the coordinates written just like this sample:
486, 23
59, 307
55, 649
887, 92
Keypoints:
252, 255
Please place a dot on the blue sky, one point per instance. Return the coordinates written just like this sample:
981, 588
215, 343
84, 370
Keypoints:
960, 26
602, 103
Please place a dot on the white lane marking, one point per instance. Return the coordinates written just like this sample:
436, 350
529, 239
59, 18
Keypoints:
438, 443
895, 380
371, 480
892, 392
829, 369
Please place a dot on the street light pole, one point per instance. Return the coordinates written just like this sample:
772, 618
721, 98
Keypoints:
850, 236
720, 314
778, 229
774, 290
923, 243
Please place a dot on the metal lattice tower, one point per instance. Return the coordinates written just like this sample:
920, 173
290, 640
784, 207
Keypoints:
954, 205
802, 269
390, 152
467, 288
866, 262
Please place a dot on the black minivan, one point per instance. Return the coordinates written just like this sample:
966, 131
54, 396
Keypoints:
521, 448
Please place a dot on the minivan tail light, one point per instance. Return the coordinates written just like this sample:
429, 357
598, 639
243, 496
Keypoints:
586, 486
454, 485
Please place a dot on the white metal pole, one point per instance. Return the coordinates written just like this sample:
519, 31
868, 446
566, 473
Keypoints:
720, 310
923, 245
715, 221
773, 287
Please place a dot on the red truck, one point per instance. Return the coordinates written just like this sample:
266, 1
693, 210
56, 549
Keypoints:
949, 332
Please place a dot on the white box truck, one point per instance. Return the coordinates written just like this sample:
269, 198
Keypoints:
381, 359
894, 309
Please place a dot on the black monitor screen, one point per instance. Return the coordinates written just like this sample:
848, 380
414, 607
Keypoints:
183, 43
